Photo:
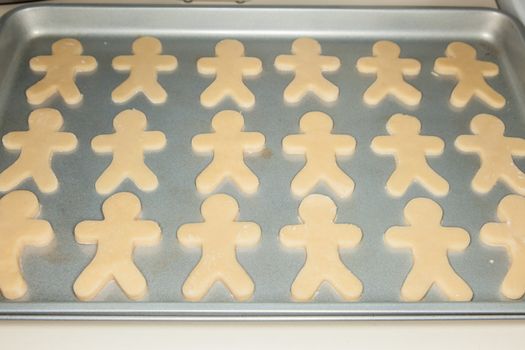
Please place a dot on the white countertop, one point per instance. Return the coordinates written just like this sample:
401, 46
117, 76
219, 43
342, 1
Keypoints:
392, 335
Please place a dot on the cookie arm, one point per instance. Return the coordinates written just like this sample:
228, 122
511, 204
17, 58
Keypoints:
248, 234
122, 63
86, 64
65, 142
207, 65
293, 236
285, 62
457, 238
367, 65
445, 65
14, 140
344, 145
102, 143
153, 140
166, 63
87, 232
383, 145
398, 237
410, 66
467, 143
517, 146
253, 142
433, 145
489, 69
294, 144
251, 66
147, 233
189, 235
203, 143
39, 63
329, 63
495, 234
348, 235
38, 233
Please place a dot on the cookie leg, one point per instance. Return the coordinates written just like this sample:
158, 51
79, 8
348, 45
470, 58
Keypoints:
155, 92
210, 178
144, 178
346, 283
238, 281
305, 180
340, 182
306, 284
399, 182
407, 94
125, 91
484, 180
417, 284
12, 284
243, 96
513, 285
13, 176
45, 179
70, 93
245, 179
40, 92
131, 280
433, 182
326, 90
199, 282
91, 281
295, 91
454, 287
491, 96
376, 93
110, 179
515, 178
212, 95
461, 95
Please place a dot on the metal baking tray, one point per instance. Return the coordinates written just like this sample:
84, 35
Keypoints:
192, 32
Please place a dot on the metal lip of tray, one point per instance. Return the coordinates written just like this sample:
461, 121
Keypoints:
190, 32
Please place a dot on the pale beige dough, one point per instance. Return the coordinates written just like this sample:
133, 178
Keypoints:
390, 71
495, 152
143, 66
117, 236
61, 69
430, 243
218, 236
229, 67
461, 63
322, 238
19, 228
228, 143
510, 234
128, 144
308, 65
321, 149
37, 146
410, 149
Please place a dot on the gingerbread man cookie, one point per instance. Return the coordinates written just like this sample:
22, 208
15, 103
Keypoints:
128, 144
510, 234
218, 236
37, 146
60, 68
321, 238
320, 148
117, 236
229, 144
390, 71
143, 65
410, 150
429, 242
495, 152
229, 68
461, 62
308, 65
19, 228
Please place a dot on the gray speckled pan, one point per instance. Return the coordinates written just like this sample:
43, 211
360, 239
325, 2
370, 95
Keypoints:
192, 32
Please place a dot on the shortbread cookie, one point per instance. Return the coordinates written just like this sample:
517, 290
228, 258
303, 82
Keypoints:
390, 71
461, 62
510, 234
320, 148
495, 153
410, 149
322, 239
229, 68
143, 66
19, 228
128, 144
218, 236
61, 69
117, 236
308, 65
37, 146
229, 144
429, 242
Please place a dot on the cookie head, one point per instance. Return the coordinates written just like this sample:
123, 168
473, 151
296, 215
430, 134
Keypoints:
306, 46
229, 48
45, 119
511, 209
220, 207
21, 204
130, 119
317, 207
458, 49
403, 124
147, 44
486, 124
227, 120
423, 212
386, 49
123, 205
316, 121
67, 46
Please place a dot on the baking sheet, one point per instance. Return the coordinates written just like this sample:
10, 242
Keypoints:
190, 33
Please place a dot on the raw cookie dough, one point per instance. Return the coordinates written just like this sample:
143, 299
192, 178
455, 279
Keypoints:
19, 228
510, 234
228, 143
128, 144
308, 65
60, 68
229, 68
117, 236
461, 62
495, 152
143, 66
321, 238
320, 148
218, 236
390, 70
429, 242
37, 146
410, 149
